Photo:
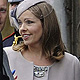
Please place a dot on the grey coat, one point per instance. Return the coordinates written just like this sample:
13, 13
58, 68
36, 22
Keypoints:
66, 69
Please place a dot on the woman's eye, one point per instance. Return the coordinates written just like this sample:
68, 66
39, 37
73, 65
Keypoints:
29, 22
2, 10
20, 23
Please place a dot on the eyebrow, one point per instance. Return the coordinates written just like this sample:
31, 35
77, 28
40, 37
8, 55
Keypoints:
29, 18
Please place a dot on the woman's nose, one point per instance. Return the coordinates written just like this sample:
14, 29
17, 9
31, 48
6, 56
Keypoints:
23, 27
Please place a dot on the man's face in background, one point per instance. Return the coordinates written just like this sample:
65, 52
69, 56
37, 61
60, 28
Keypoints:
3, 13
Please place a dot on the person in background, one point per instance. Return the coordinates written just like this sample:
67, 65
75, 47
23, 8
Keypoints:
5, 73
8, 41
41, 55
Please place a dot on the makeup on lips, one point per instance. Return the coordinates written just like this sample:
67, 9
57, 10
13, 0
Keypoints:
26, 36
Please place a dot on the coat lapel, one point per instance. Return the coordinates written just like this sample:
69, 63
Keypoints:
24, 69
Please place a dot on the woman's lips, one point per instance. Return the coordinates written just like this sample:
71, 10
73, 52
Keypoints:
26, 36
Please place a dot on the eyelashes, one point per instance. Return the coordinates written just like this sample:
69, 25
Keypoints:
27, 22
3, 10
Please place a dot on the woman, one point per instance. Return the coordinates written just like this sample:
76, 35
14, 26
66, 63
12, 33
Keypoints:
41, 55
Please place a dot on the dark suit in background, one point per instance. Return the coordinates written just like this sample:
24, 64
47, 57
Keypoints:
5, 73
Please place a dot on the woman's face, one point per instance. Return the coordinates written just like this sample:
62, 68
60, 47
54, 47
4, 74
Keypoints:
30, 28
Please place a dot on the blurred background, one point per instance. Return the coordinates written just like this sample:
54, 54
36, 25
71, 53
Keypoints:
7, 29
68, 13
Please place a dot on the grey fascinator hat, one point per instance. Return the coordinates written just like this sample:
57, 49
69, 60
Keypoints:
24, 5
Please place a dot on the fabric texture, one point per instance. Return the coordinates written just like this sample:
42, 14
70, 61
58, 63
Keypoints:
66, 69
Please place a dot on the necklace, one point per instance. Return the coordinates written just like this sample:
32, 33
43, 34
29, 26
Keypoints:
40, 71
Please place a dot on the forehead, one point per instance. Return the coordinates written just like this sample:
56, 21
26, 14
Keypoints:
3, 3
28, 15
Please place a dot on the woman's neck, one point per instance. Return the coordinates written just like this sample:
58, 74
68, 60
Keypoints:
34, 54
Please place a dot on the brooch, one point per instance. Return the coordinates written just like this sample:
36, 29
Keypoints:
40, 71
